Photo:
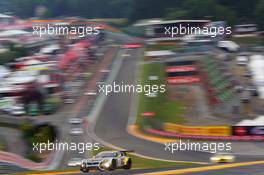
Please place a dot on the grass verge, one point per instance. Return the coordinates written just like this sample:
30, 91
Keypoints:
138, 163
165, 108
144, 163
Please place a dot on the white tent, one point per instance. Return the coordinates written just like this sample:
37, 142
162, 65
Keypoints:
21, 80
21, 77
259, 121
159, 53
256, 65
49, 49
4, 16
8, 33
32, 62
3, 72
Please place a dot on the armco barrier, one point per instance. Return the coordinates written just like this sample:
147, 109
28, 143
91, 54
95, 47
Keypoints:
198, 130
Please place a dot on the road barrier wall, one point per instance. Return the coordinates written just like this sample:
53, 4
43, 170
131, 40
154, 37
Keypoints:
198, 130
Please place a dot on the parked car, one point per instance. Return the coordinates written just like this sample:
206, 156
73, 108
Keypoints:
17, 110
76, 131
75, 120
228, 46
33, 109
242, 59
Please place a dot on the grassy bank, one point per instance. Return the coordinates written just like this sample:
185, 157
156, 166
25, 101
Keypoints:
138, 163
144, 163
165, 109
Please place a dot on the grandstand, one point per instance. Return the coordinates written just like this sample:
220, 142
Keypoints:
218, 86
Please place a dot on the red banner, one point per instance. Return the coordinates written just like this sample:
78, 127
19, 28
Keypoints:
183, 79
181, 68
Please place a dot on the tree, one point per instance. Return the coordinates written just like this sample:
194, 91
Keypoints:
173, 13
260, 14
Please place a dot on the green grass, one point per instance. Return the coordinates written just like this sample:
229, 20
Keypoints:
161, 47
138, 163
166, 109
144, 163
41, 172
249, 40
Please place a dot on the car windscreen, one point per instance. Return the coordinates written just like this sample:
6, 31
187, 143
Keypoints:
103, 155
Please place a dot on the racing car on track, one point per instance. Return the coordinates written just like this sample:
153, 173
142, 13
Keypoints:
107, 161
222, 158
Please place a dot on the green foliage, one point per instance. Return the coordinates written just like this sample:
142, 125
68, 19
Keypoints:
166, 109
235, 12
2, 147
27, 129
7, 57
260, 13
34, 157
175, 13
14, 52
36, 134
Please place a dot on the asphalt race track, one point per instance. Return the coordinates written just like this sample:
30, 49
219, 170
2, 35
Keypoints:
111, 127
247, 170
112, 122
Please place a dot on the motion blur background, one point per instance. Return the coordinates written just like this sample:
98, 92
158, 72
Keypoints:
49, 84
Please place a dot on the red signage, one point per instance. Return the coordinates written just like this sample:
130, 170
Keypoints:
240, 131
181, 68
248, 130
132, 46
148, 114
183, 79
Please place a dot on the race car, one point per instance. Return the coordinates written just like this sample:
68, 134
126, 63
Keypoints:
222, 158
107, 161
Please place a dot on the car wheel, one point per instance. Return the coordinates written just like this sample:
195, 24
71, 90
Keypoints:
85, 171
113, 165
128, 165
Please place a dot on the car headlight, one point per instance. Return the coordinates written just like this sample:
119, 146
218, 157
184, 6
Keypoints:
215, 158
107, 164
229, 157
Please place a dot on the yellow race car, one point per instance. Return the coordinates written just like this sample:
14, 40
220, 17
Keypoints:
222, 158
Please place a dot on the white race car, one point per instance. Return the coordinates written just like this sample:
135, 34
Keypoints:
107, 161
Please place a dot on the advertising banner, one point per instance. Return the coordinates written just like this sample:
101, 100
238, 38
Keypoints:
181, 68
198, 130
248, 130
183, 79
